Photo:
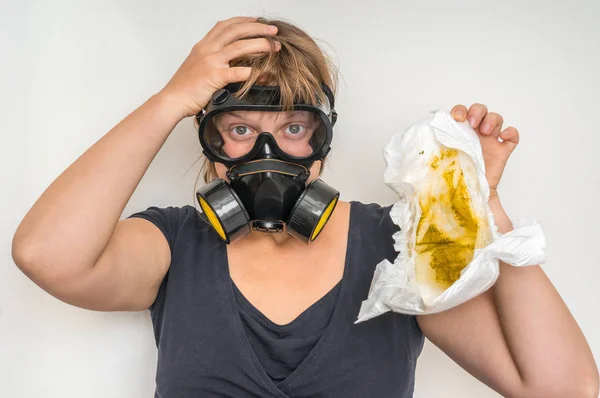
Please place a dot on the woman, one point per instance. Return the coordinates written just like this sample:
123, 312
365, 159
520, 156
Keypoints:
268, 315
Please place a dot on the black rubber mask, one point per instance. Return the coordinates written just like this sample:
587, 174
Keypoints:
268, 171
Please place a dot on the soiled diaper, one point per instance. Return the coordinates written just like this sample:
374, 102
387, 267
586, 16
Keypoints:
448, 246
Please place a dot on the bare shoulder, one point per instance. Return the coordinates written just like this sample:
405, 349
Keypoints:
340, 218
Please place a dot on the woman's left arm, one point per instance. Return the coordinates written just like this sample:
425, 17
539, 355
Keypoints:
518, 337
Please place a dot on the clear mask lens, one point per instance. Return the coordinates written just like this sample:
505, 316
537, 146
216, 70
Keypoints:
233, 134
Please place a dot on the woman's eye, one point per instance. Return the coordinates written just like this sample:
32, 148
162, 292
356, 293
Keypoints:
294, 129
240, 130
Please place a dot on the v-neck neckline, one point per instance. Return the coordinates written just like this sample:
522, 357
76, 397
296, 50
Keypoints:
327, 333
268, 323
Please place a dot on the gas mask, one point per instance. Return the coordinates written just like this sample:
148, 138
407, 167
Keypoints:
267, 170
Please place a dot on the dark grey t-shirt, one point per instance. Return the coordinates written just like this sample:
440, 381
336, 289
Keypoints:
205, 349
280, 349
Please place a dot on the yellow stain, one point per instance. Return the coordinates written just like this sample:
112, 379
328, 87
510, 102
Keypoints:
448, 230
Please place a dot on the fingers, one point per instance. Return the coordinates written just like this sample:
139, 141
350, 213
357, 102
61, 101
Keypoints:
479, 117
248, 46
459, 112
510, 136
237, 74
243, 31
222, 25
491, 124
476, 114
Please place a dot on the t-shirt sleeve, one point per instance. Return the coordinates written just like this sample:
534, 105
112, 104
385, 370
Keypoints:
169, 221
386, 221
166, 219
383, 229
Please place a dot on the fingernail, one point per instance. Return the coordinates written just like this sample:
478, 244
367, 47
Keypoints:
278, 45
485, 128
459, 115
272, 28
472, 121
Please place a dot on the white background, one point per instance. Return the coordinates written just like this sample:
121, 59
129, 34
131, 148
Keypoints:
70, 70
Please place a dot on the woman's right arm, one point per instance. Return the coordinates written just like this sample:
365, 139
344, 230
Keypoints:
71, 243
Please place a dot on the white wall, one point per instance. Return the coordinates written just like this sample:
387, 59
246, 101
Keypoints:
70, 70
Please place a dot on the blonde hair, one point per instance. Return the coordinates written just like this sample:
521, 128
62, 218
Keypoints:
299, 69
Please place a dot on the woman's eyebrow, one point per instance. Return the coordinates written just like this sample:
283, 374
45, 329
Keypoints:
228, 118
232, 114
291, 115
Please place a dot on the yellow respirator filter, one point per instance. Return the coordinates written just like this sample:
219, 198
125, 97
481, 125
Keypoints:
212, 218
312, 211
222, 210
323, 220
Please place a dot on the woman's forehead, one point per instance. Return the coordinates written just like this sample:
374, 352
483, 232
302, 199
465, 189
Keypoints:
267, 115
